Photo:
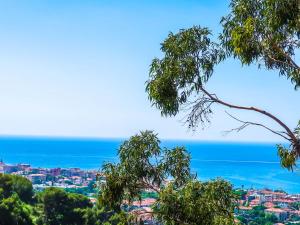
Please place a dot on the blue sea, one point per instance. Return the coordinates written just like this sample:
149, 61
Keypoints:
249, 164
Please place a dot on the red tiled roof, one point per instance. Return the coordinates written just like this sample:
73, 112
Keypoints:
275, 210
269, 204
284, 200
297, 212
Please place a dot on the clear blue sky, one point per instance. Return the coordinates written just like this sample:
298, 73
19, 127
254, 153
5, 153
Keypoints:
77, 68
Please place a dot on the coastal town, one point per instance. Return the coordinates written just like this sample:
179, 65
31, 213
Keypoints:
281, 207
67, 178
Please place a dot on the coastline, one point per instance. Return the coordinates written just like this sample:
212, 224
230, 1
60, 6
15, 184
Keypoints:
251, 165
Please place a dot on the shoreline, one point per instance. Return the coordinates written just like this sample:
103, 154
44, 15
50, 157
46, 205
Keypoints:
25, 169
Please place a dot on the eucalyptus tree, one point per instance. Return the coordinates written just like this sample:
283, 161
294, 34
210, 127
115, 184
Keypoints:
261, 32
209, 203
145, 166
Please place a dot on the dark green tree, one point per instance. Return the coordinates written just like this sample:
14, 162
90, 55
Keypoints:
60, 207
6, 184
144, 165
14, 212
23, 187
262, 32
10, 184
99, 216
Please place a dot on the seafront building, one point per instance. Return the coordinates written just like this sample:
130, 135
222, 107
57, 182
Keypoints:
279, 203
44, 177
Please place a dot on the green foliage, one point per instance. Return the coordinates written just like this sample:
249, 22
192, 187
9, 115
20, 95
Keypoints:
60, 207
176, 164
241, 219
196, 203
10, 184
240, 193
53, 206
189, 59
257, 216
112, 191
287, 158
23, 187
265, 32
83, 190
15, 192
143, 165
5, 186
96, 216
14, 212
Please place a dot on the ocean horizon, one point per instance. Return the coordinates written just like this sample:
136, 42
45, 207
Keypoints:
248, 164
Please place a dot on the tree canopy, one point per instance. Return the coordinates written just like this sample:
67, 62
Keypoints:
182, 199
60, 207
13, 211
196, 203
266, 32
15, 193
262, 32
143, 165
19, 205
12, 184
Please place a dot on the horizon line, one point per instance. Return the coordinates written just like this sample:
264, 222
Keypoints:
70, 137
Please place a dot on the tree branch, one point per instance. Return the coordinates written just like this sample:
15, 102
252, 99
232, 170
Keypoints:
290, 134
247, 123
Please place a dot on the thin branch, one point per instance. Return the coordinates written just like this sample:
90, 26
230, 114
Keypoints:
290, 134
247, 123
199, 111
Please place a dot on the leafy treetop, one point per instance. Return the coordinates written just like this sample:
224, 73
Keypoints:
182, 199
265, 32
143, 166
